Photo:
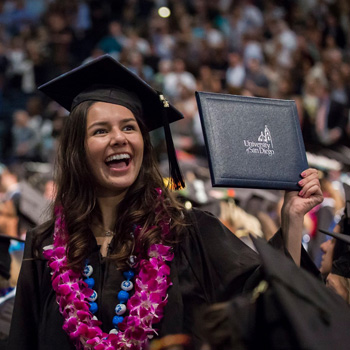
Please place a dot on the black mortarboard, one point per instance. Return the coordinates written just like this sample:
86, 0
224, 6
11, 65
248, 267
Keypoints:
341, 236
318, 319
105, 79
5, 258
289, 309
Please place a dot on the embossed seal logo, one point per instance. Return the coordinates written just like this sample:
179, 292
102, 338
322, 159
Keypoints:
263, 145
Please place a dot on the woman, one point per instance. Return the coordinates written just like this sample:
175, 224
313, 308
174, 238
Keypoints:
142, 254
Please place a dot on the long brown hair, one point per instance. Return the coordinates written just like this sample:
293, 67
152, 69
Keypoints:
76, 194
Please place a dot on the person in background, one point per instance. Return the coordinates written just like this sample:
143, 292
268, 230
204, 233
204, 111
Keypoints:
327, 248
10, 195
9, 269
25, 138
256, 82
235, 74
338, 277
114, 41
337, 261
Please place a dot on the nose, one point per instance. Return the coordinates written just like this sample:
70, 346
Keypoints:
118, 138
324, 246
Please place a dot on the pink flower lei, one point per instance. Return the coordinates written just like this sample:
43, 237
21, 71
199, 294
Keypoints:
145, 306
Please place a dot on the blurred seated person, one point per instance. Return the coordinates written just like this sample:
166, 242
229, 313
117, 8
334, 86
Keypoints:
9, 202
235, 74
8, 219
256, 82
25, 138
114, 41
9, 270
208, 80
338, 278
328, 128
323, 217
178, 79
9, 186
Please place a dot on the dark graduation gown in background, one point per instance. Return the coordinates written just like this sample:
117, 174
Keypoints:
208, 258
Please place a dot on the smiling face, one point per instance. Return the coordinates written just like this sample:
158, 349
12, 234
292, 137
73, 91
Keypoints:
114, 147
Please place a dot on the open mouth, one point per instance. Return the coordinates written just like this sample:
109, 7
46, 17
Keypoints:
118, 161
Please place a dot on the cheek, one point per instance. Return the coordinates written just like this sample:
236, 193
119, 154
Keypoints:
93, 148
88, 155
92, 151
141, 148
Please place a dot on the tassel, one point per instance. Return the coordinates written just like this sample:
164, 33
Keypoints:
176, 181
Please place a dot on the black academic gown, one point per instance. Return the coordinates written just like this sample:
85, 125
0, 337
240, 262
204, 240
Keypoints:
207, 255
6, 310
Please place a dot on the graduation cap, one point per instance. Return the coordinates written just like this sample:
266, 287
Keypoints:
317, 317
289, 309
5, 258
105, 79
341, 236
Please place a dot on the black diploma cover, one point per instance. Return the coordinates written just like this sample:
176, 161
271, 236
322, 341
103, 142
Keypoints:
252, 142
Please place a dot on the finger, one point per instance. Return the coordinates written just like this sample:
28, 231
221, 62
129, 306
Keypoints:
309, 178
310, 184
310, 190
308, 172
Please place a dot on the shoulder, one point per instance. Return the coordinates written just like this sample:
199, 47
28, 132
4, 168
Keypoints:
203, 219
37, 238
205, 228
208, 231
198, 214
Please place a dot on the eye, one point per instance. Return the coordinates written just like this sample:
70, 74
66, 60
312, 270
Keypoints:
129, 127
99, 131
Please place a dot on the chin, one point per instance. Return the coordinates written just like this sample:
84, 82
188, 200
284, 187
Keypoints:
120, 186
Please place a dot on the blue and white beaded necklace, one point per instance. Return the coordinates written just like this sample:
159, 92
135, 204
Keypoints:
126, 286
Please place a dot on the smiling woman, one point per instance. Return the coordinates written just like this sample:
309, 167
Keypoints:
121, 260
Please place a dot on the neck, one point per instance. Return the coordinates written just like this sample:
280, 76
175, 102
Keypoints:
109, 208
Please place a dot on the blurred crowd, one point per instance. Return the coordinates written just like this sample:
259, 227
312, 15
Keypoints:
279, 49
295, 50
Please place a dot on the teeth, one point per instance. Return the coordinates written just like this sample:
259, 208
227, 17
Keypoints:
118, 157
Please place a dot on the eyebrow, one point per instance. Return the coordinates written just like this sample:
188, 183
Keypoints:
103, 123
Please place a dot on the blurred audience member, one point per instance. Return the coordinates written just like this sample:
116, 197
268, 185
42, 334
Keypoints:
136, 64
256, 81
164, 67
25, 138
61, 39
327, 249
114, 41
178, 80
208, 81
235, 74
9, 270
